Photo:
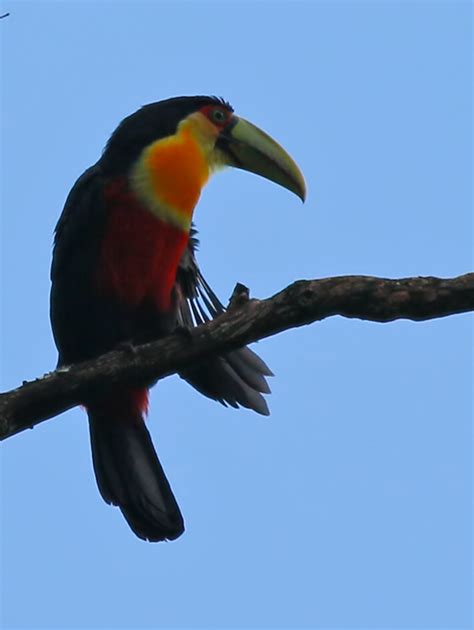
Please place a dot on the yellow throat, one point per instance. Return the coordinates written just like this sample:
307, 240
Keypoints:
170, 173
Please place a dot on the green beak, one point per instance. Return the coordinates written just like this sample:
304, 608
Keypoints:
251, 149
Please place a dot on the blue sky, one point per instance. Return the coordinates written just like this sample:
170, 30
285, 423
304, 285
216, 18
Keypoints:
351, 505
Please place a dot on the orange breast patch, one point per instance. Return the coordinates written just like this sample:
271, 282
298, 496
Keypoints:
170, 175
178, 171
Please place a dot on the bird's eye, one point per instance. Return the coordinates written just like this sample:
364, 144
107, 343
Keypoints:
218, 116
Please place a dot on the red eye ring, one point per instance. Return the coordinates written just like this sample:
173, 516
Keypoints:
219, 116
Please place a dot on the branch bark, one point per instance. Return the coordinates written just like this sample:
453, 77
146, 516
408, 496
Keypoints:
304, 302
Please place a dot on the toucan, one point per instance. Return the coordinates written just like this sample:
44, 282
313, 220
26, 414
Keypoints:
124, 273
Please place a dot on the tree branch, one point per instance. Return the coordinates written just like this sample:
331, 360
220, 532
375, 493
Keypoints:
304, 302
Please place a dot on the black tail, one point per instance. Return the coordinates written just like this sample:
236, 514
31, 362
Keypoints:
128, 471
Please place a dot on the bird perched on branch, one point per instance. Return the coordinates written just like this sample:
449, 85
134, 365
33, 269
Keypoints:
124, 272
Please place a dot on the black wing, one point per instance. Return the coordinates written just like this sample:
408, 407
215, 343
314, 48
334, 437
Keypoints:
236, 378
81, 327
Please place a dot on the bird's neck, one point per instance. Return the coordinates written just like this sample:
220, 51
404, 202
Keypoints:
170, 174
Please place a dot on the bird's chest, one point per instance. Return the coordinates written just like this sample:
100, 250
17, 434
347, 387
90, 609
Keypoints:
140, 252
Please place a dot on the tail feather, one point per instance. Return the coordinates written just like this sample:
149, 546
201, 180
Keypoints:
128, 471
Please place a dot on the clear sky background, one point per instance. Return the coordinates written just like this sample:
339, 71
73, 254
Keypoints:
351, 505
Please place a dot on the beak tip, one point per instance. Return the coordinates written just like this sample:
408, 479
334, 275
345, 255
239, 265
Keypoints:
301, 192
298, 183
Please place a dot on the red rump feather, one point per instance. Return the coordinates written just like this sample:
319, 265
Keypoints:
140, 253
122, 403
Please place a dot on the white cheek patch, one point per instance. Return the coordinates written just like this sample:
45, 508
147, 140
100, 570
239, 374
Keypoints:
218, 161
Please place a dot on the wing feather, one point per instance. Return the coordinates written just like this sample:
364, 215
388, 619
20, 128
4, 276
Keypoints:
236, 378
